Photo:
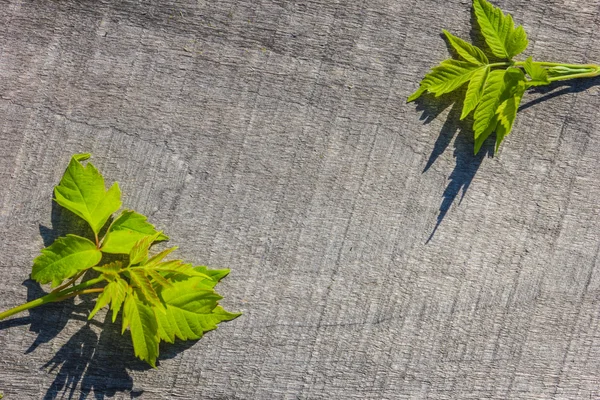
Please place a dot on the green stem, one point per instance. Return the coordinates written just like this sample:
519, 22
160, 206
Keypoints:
578, 70
86, 291
70, 282
99, 243
591, 74
34, 303
553, 64
503, 64
55, 296
544, 64
81, 286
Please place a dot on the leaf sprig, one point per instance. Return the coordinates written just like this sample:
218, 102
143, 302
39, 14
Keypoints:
160, 300
495, 89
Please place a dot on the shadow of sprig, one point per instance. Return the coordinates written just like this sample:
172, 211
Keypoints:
95, 363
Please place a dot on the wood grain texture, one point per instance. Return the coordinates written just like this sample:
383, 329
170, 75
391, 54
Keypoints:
272, 137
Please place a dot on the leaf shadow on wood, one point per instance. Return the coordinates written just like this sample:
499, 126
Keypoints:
64, 222
564, 87
96, 360
92, 362
99, 363
467, 163
46, 321
87, 360
50, 319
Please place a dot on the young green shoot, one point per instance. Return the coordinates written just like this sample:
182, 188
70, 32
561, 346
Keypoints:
159, 299
496, 81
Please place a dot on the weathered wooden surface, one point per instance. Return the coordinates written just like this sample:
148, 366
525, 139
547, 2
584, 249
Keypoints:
272, 138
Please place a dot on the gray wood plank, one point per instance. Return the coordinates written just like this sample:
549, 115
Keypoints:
272, 138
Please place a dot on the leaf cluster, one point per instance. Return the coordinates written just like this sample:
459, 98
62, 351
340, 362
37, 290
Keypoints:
494, 89
160, 300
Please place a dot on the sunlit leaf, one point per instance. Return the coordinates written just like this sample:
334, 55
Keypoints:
467, 51
126, 231
499, 31
446, 77
82, 191
64, 258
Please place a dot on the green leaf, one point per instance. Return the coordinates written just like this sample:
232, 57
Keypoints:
157, 258
177, 267
215, 274
470, 53
422, 89
139, 251
446, 77
571, 71
129, 292
144, 329
507, 112
158, 278
110, 271
505, 41
114, 293
190, 312
141, 281
64, 258
488, 105
126, 231
538, 74
500, 86
82, 191
81, 156
474, 91
195, 282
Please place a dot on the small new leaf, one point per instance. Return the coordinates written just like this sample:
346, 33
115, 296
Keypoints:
139, 251
470, 53
505, 41
65, 258
507, 111
141, 281
538, 74
158, 278
114, 293
155, 259
176, 267
110, 271
82, 191
126, 230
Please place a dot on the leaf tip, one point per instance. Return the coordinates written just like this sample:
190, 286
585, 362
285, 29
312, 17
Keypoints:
81, 156
416, 94
162, 237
